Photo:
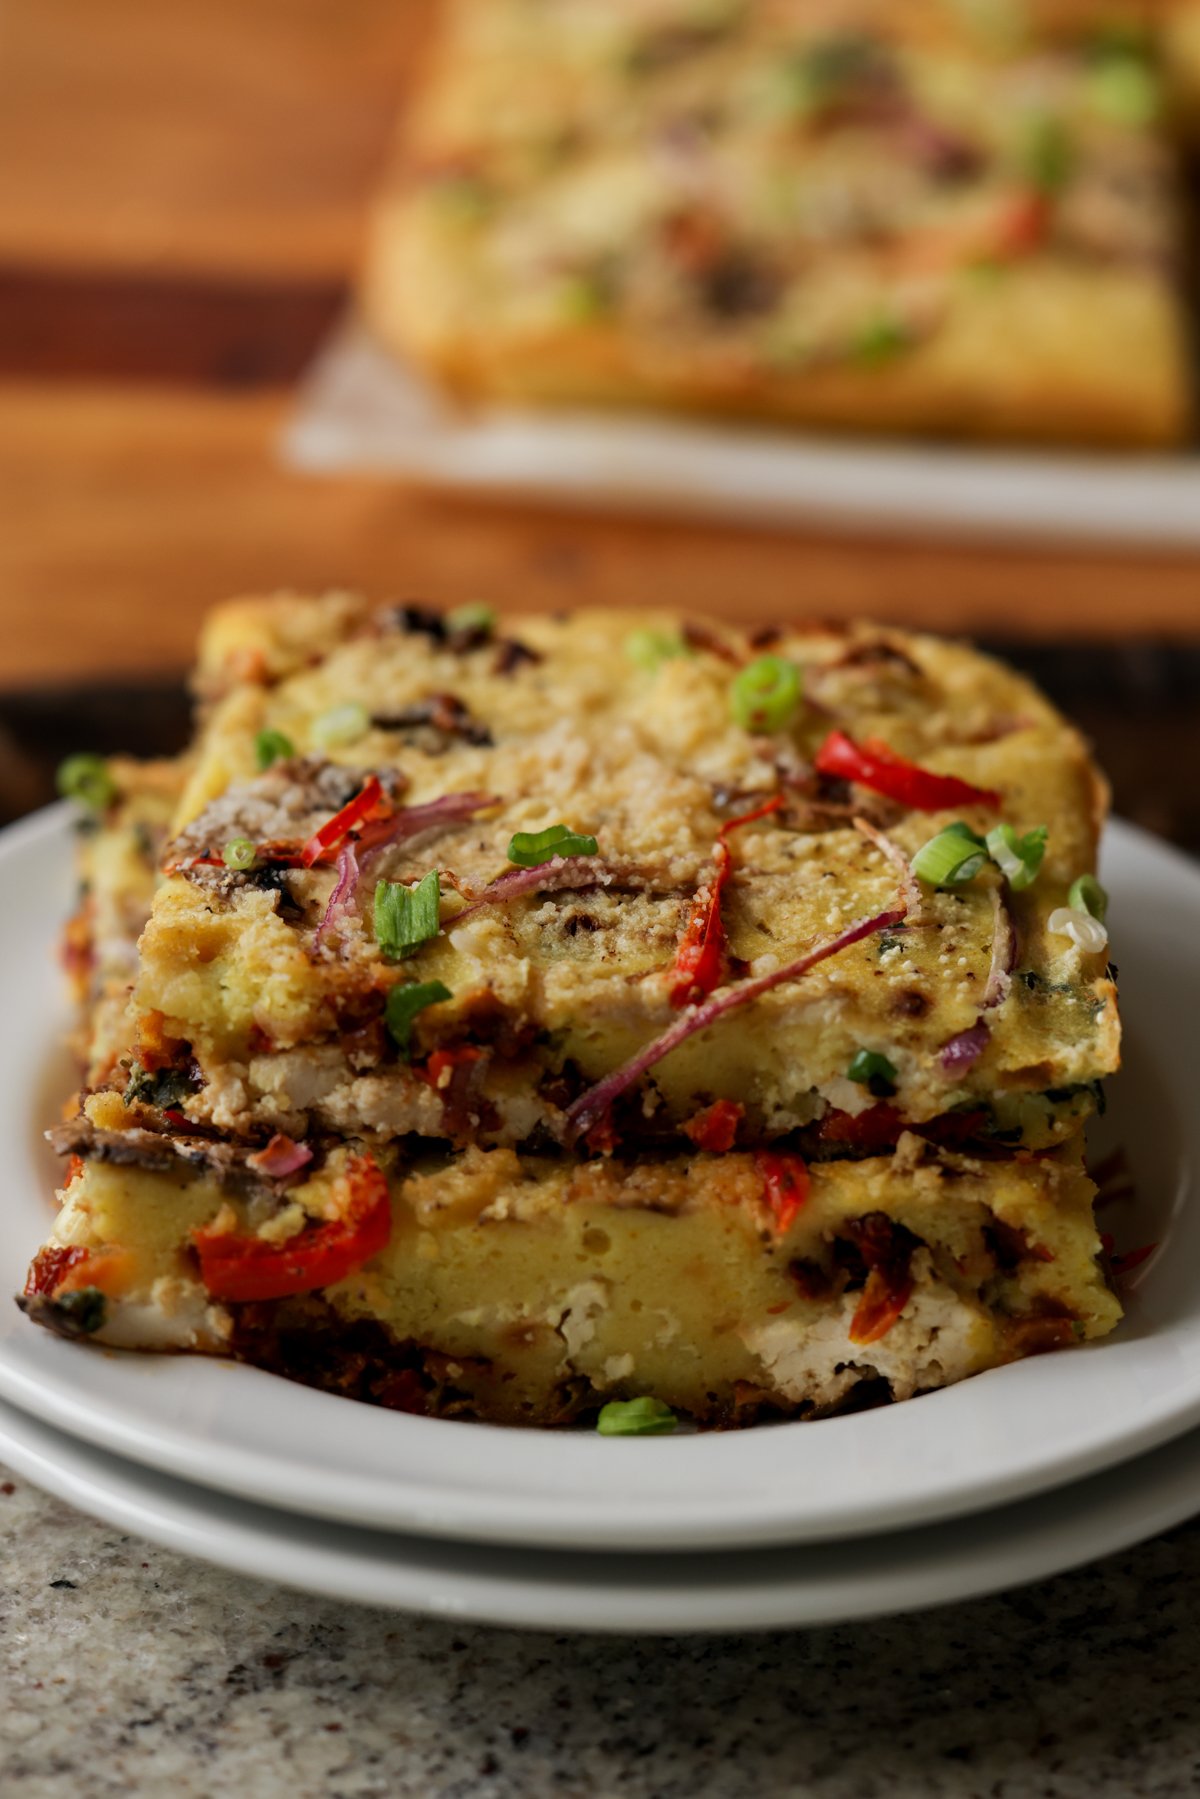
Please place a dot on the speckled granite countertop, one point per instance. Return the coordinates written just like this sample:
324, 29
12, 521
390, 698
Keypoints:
127, 1669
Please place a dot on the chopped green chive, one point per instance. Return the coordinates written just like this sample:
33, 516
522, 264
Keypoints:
584, 297
650, 649
1123, 90
1047, 154
1087, 895
873, 1071
406, 917
1018, 858
766, 694
341, 725
529, 849
239, 853
879, 339
403, 1005
82, 1312
636, 1418
472, 619
272, 746
86, 779
952, 858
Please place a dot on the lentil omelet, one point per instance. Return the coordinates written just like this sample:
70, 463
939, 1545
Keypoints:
601, 1005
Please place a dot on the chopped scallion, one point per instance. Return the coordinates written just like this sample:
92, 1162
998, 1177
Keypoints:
1125, 90
766, 694
649, 649
636, 1418
1087, 895
86, 778
402, 1006
406, 917
1017, 858
272, 746
475, 620
873, 1071
952, 858
239, 853
341, 725
529, 849
1047, 154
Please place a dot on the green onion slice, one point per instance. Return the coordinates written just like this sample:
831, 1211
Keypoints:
636, 1418
472, 618
86, 778
1125, 90
272, 746
1017, 858
873, 1071
650, 649
406, 917
341, 725
529, 849
239, 853
766, 694
404, 1003
952, 858
1087, 895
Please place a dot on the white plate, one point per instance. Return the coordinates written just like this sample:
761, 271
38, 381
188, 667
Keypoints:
1003, 1435
747, 1590
362, 409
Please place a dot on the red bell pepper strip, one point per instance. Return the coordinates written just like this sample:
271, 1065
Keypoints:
715, 1128
875, 765
883, 1300
1129, 1259
785, 1185
700, 961
237, 1268
369, 803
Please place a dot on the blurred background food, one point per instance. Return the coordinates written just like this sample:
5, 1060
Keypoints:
184, 203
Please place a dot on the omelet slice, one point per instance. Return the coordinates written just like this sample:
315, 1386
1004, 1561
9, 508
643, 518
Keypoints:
528, 1290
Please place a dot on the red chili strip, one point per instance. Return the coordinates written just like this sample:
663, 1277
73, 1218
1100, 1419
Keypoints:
877, 766
701, 961
1129, 1259
238, 1268
785, 1186
716, 1127
883, 1300
369, 803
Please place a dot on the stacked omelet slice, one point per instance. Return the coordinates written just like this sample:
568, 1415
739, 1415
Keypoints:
569, 1014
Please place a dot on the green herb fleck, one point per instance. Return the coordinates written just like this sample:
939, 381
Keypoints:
341, 725
1087, 895
86, 778
165, 1087
880, 339
1047, 154
272, 746
406, 917
81, 1313
650, 649
403, 1005
874, 1072
240, 853
529, 849
952, 858
636, 1418
471, 621
1019, 859
766, 694
1124, 90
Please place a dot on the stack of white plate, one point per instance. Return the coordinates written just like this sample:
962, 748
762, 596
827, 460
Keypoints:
1006, 1478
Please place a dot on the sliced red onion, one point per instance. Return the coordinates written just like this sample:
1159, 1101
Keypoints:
281, 1157
1004, 954
341, 900
591, 1107
962, 1052
411, 821
909, 885
547, 877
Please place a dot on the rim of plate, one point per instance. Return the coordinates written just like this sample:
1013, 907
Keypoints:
996, 1438
743, 1590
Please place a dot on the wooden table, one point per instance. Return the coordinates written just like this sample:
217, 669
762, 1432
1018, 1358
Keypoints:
181, 199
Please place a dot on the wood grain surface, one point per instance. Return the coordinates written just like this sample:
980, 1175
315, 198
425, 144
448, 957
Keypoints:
182, 190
